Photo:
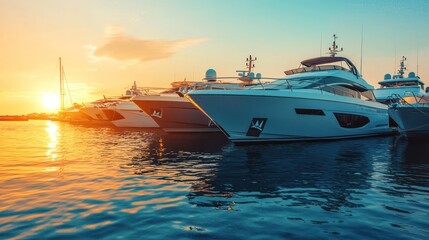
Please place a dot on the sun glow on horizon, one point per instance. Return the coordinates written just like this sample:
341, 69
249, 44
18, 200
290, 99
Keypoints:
50, 101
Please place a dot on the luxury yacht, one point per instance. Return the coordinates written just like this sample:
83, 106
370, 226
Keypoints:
174, 113
119, 111
399, 85
411, 113
325, 98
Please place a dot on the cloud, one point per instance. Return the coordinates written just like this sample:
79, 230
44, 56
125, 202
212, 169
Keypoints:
113, 30
125, 48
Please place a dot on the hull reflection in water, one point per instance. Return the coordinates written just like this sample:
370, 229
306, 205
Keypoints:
374, 184
183, 150
326, 175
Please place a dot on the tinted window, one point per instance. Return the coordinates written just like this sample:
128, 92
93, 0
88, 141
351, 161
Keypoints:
351, 120
307, 111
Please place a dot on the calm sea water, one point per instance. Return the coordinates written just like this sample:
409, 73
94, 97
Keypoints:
62, 181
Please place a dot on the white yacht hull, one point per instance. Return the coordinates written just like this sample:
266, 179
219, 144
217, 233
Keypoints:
413, 121
133, 116
284, 115
96, 116
95, 113
124, 114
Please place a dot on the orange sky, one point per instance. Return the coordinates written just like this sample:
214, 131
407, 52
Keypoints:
105, 45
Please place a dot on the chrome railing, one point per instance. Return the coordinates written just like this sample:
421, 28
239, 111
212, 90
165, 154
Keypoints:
409, 98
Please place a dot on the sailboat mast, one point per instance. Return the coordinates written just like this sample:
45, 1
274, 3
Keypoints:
61, 87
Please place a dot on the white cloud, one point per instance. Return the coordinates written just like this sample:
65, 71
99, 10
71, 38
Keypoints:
131, 49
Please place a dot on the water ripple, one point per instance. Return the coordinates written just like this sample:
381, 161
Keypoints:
78, 182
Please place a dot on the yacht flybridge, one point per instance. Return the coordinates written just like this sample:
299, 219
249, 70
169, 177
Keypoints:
325, 98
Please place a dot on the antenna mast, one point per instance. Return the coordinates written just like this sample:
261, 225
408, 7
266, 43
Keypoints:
333, 50
402, 67
361, 51
417, 60
250, 64
394, 63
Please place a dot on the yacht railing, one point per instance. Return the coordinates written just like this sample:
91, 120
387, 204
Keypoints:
265, 83
420, 105
409, 98
230, 83
156, 90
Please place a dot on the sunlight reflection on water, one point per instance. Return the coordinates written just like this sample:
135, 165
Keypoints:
52, 130
68, 181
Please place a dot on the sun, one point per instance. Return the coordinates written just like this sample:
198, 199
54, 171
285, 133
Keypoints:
50, 101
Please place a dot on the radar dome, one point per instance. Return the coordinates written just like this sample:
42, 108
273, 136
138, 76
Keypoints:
411, 75
211, 75
258, 75
251, 75
387, 76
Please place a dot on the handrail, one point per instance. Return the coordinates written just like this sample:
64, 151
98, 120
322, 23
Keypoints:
398, 99
240, 83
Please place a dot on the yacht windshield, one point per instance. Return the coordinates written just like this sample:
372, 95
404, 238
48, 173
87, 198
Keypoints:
331, 85
325, 64
309, 83
294, 83
400, 84
368, 95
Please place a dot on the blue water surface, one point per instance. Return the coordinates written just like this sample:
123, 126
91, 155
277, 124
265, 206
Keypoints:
64, 181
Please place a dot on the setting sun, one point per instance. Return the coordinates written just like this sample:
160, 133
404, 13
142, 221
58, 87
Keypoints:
50, 101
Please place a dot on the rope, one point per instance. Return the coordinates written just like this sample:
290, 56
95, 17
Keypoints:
67, 85
412, 129
416, 105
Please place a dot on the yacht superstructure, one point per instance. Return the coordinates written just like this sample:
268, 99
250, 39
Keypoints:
400, 85
325, 98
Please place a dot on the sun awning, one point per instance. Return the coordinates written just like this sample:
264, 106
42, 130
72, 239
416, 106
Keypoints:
322, 60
